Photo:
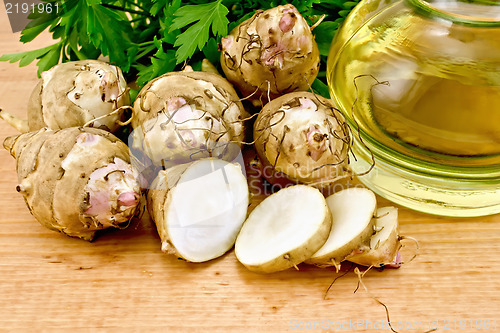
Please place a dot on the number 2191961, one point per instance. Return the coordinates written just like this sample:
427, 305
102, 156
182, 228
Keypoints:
25, 8
471, 324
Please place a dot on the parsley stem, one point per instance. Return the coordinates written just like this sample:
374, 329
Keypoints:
131, 11
146, 50
150, 42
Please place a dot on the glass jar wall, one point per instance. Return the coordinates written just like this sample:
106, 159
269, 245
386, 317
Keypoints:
419, 83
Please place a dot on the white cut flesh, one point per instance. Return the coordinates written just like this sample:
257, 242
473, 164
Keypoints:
205, 210
352, 211
284, 230
385, 243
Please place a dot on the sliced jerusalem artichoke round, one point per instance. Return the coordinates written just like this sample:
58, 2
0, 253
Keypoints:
284, 230
303, 137
183, 116
270, 54
76, 93
199, 207
76, 180
352, 211
384, 244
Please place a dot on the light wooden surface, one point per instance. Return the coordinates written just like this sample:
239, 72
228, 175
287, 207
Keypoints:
122, 282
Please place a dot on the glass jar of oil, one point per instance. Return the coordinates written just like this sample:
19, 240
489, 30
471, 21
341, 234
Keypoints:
419, 83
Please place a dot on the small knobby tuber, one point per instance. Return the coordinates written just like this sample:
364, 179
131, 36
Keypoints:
270, 54
76, 93
183, 116
76, 180
303, 137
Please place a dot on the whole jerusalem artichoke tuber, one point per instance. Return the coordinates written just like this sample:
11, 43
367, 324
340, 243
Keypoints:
76, 180
75, 93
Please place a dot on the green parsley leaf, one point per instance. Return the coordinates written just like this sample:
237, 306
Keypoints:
320, 88
211, 51
324, 34
199, 18
157, 7
49, 56
40, 22
50, 59
25, 57
168, 33
107, 30
161, 63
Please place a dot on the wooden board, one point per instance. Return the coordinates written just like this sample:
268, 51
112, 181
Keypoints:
122, 282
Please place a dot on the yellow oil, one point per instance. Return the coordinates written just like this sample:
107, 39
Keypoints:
426, 95
444, 116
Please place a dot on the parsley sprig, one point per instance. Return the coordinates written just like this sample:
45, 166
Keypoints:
147, 38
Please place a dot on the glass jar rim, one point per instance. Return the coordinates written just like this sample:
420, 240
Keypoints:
427, 8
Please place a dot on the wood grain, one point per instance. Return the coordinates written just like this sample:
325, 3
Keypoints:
122, 282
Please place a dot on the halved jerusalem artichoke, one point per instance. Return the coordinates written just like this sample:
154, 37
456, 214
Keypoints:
199, 207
